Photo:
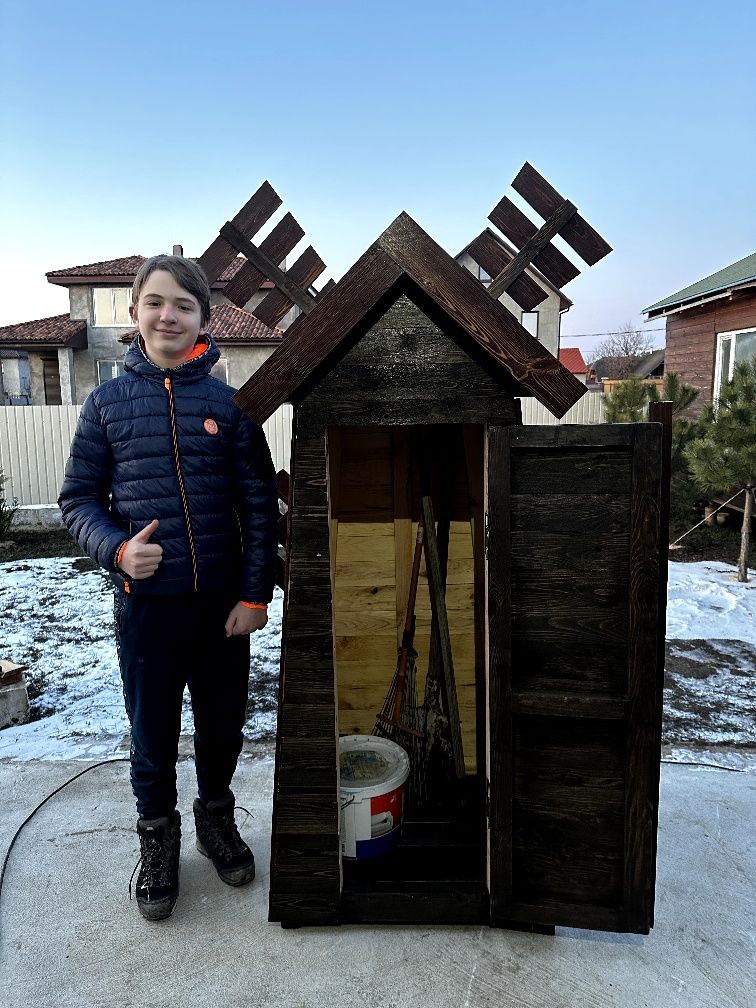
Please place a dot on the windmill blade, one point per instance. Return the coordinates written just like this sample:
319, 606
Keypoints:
545, 200
258, 209
279, 243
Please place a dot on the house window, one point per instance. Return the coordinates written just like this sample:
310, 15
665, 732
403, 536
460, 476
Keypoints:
733, 348
107, 369
484, 277
220, 370
111, 306
530, 322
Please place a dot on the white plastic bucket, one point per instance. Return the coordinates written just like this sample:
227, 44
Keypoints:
372, 775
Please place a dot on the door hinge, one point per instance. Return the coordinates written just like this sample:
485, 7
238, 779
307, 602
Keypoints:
488, 800
485, 535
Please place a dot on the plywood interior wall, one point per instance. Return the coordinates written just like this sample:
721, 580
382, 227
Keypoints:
374, 495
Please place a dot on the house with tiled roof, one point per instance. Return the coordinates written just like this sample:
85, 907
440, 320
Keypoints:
711, 325
68, 355
573, 360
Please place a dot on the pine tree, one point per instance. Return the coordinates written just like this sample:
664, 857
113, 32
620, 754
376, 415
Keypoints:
724, 458
628, 401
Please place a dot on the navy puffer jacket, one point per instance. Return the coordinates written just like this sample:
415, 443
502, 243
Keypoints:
171, 445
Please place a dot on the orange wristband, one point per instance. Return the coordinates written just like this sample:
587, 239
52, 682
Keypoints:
119, 554
254, 605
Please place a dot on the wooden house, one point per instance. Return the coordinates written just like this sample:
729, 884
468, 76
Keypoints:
405, 380
710, 325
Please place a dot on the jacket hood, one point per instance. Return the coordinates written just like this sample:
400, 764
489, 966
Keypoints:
196, 367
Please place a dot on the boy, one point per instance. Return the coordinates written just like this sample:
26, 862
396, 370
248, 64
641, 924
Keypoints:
171, 488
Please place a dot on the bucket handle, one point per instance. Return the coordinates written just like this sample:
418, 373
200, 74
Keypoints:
348, 802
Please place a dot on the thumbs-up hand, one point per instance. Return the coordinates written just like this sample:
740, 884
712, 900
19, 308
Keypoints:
140, 557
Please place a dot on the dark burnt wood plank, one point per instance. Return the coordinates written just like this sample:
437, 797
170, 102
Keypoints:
489, 253
571, 472
304, 272
544, 199
456, 291
305, 861
661, 412
594, 668
607, 557
300, 909
307, 721
307, 813
259, 208
499, 670
644, 677
393, 374
278, 244
416, 903
564, 914
594, 513
533, 243
569, 704
310, 339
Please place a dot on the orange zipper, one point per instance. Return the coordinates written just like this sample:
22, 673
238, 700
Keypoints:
182, 489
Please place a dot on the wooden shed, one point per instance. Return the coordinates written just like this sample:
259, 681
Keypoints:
405, 381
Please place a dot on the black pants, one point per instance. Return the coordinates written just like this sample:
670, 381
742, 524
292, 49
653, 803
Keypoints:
164, 644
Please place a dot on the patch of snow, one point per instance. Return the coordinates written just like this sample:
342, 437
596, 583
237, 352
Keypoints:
56, 617
705, 601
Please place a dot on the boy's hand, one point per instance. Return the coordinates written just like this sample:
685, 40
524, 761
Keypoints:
140, 557
242, 620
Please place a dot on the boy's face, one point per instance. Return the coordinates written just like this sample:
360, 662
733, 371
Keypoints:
169, 319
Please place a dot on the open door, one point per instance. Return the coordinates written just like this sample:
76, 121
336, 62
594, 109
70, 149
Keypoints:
574, 676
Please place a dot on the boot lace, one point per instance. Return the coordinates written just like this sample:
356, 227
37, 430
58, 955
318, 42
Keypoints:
155, 863
223, 832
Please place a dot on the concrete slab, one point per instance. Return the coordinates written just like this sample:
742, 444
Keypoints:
70, 938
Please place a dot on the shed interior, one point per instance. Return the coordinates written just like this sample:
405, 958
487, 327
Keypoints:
377, 476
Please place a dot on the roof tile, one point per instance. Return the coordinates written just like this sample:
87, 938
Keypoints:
56, 329
573, 360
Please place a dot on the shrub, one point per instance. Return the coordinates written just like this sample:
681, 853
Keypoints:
7, 510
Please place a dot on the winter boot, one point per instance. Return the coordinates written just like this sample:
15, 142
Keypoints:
218, 838
158, 880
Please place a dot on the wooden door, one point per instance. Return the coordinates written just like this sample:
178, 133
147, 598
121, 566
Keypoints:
574, 673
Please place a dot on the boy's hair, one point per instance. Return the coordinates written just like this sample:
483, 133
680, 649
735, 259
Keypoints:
185, 272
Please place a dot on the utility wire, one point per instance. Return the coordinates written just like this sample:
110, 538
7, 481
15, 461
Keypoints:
118, 759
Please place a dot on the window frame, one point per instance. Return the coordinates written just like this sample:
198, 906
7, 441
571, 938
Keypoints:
112, 291
116, 364
722, 338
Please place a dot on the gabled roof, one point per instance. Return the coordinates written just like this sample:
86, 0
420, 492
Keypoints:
649, 364
231, 325
573, 360
739, 274
56, 331
124, 270
406, 260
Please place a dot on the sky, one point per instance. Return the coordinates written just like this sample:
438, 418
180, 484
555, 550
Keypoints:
64, 638
128, 129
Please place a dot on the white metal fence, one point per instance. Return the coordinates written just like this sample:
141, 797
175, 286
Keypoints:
35, 440
591, 409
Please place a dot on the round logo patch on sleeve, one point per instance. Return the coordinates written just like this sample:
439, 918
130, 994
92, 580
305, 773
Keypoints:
210, 426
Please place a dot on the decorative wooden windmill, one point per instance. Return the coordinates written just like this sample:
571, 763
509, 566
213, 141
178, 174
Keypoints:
552, 541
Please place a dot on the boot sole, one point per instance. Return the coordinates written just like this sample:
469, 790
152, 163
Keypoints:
229, 878
160, 910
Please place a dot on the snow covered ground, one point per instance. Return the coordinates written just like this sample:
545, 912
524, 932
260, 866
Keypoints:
56, 618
